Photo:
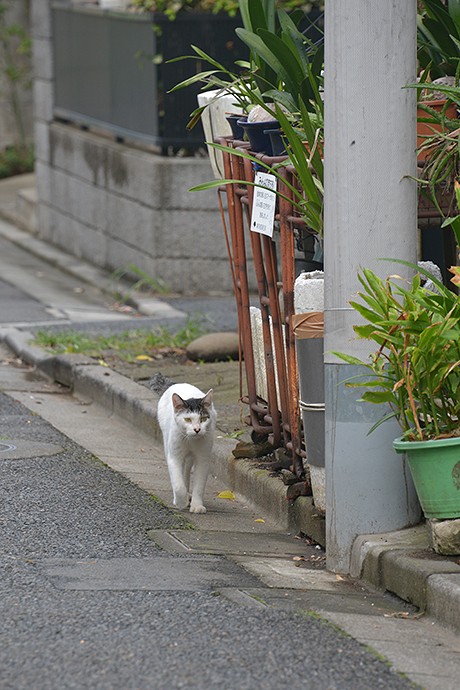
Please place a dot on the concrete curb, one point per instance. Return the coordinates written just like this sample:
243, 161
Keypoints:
395, 561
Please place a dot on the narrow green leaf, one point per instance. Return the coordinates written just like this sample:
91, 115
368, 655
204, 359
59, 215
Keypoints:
244, 11
301, 162
212, 184
436, 10
441, 36
274, 53
194, 79
314, 139
451, 92
368, 314
210, 60
454, 11
378, 397
349, 359
442, 288
294, 39
369, 384
386, 418
269, 10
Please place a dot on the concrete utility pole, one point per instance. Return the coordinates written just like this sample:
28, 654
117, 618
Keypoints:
370, 213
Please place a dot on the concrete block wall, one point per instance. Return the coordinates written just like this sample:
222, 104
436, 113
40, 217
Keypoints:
113, 204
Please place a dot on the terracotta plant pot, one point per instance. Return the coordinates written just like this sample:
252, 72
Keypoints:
426, 129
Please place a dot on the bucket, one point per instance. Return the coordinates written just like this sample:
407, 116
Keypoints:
309, 337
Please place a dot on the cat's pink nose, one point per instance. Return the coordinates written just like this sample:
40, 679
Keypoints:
197, 429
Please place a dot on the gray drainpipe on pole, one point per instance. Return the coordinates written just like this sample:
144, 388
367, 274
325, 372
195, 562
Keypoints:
370, 213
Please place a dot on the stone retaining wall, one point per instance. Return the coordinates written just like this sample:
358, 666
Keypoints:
114, 204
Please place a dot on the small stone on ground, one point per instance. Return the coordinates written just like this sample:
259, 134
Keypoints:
445, 536
214, 347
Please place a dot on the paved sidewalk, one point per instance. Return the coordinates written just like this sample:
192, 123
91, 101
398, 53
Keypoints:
399, 562
105, 587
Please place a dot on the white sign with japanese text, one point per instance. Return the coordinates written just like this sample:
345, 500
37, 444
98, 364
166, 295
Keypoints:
263, 207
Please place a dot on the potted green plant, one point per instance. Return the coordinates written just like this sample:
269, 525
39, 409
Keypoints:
438, 162
436, 113
437, 145
438, 53
284, 77
416, 373
438, 36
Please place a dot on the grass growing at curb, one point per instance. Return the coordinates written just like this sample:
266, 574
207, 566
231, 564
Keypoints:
129, 345
143, 282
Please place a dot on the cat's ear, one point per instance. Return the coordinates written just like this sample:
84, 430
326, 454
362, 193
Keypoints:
207, 400
178, 404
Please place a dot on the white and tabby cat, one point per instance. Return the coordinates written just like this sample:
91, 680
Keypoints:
187, 420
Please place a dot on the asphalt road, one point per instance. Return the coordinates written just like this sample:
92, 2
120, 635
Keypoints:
36, 295
88, 601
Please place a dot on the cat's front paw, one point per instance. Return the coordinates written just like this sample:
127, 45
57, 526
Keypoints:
197, 508
182, 501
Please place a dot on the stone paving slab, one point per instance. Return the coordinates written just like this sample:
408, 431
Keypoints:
230, 543
159, 574
282, 572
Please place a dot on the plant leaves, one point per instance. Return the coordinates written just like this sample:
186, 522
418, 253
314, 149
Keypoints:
378, 397
349, 359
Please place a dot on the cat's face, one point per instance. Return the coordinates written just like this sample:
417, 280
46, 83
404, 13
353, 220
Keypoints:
193, 415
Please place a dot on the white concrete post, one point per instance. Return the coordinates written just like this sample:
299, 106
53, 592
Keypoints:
370, 213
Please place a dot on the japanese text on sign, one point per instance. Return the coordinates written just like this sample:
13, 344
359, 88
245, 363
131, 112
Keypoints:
263, 207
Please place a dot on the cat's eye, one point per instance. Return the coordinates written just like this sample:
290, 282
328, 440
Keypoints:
203, 419
188, 420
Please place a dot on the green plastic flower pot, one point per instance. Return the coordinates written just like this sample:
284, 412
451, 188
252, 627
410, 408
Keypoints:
435, 469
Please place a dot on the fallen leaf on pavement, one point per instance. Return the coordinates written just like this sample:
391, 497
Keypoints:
403, 614
226, 494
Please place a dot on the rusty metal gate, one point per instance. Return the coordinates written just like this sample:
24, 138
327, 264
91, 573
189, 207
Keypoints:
277, 417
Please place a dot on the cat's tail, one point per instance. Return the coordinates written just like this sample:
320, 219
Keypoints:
159, 383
